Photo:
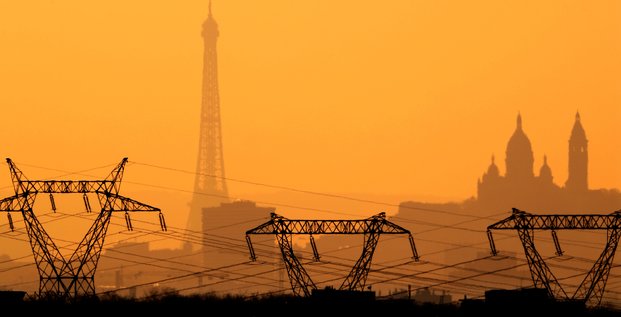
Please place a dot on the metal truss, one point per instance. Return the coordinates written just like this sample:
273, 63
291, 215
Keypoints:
301, 283
74, 277
592, 287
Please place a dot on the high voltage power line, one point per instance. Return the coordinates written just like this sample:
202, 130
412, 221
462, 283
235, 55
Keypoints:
220, 241
483, 286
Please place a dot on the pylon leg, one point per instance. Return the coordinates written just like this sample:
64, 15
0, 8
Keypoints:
47, 256
540, 272
591, 290
83, 262
301, 283
357, 277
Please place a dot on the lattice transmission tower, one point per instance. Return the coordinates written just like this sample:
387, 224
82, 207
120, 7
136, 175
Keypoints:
591, 289
58, 276
301, 282
209, 185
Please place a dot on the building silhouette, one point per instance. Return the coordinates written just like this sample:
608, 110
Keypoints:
209, 185
225, 227
119, 270
521, 188
578, 159
225, 247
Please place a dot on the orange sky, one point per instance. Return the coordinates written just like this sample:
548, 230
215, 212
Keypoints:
400, 97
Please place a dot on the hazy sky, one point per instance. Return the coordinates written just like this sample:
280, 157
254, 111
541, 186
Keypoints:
387, 97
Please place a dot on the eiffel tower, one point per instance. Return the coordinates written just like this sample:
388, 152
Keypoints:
209, 185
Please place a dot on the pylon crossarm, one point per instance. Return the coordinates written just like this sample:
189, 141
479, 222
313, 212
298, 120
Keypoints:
22, 185
507, 223
114, 202
360, 226
325, 226
556, 222
392, 228
65, 186
266, 228
591, 290
13, 203
569, 221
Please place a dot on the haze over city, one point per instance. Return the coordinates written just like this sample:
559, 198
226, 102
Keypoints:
327, 109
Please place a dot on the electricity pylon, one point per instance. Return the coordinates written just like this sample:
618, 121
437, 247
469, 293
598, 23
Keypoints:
74, 277
301, 283
592, 287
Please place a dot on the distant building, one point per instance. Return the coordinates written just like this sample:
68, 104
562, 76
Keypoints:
224, 243
424, 295
224, 257
330, 294
126, 264
224, 227
520, 188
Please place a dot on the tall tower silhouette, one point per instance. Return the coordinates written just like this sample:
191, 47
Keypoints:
578, 158
210, 188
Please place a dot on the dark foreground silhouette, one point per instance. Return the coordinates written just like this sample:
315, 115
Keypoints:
208, 305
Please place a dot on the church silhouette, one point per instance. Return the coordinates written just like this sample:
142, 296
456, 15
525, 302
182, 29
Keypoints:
497, 194
520, 188
455, 231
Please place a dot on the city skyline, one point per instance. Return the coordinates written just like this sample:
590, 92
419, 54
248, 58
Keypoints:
325, 111
425, 128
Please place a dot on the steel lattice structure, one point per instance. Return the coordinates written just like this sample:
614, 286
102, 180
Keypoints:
210, 188
73, 277
301, 283
592, 287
